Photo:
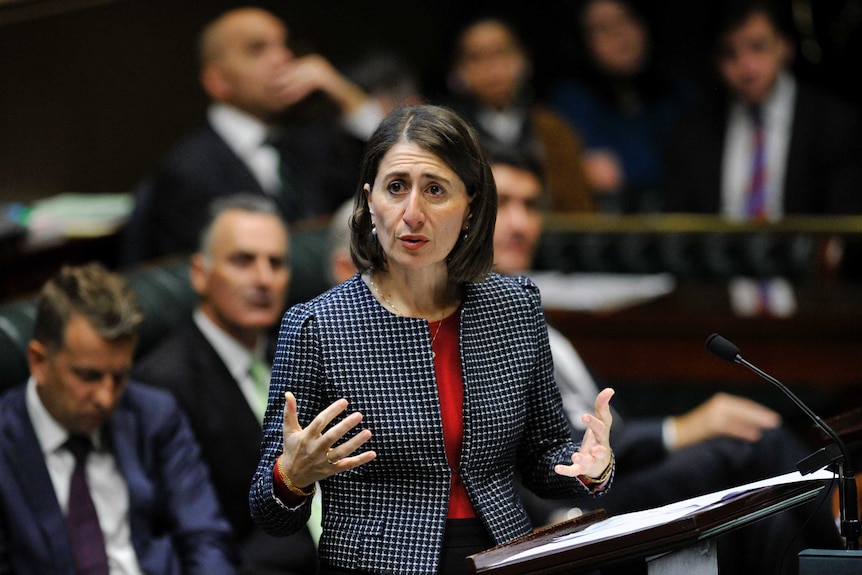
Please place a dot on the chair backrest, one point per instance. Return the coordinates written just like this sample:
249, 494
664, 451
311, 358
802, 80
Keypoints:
165, 295
135, 246
16, 323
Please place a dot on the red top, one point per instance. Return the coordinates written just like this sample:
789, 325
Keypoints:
450, 387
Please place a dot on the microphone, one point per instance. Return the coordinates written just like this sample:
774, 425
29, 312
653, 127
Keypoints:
850, 528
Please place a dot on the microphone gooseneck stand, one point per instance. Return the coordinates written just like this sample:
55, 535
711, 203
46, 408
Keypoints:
828, 456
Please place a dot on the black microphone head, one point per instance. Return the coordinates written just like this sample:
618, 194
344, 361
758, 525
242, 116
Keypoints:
720, 347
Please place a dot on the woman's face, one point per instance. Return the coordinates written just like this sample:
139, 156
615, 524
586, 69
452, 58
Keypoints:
492, 65
615, 37
419, 206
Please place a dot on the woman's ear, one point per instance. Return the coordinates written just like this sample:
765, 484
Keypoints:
367, 189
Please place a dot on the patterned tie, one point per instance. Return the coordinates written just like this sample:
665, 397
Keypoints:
88, 544
756, 204
259, 373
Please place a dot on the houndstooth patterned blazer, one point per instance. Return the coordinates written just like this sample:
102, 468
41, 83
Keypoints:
388, 516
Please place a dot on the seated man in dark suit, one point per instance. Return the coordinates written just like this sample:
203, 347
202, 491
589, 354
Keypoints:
99, 474
253, 78
218, 363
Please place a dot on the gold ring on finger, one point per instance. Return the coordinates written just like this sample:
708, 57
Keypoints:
329, 461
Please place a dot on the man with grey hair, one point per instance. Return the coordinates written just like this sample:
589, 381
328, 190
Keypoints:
99, 474
218, 363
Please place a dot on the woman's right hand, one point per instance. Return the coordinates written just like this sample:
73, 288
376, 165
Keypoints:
310, 455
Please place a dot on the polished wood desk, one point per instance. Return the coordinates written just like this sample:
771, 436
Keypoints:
661, 342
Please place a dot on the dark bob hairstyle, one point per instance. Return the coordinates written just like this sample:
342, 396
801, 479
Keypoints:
443, 133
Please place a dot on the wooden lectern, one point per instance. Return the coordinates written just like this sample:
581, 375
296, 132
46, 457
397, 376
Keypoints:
678, 538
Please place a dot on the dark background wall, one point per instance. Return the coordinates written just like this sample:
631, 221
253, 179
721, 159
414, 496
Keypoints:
93, 92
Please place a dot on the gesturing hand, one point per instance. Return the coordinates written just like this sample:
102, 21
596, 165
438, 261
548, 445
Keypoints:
309, 455
594, 455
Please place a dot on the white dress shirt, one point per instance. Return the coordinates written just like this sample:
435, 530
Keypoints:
737, 158
107, 485
247, 137
505, 126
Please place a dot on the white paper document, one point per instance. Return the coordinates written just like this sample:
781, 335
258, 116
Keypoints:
599, 291
640, 520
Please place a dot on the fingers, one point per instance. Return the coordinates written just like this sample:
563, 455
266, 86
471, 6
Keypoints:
752, 413
599, 425
593, 456
291, 420
724, 415
591, 464
337, 463
310, 451
603, 405
325, 417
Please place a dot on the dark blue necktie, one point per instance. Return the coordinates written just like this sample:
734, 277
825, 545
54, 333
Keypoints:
88, 544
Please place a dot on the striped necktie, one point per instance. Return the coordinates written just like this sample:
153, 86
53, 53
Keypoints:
756, 200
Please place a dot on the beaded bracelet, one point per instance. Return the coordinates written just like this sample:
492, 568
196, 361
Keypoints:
289, 484
604, 477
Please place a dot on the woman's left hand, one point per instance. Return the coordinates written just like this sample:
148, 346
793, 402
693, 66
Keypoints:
594, 455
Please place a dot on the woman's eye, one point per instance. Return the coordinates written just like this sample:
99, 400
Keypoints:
395, 187
435, 190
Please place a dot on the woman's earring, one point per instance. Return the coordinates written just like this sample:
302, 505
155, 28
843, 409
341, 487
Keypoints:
373, 229
465, 234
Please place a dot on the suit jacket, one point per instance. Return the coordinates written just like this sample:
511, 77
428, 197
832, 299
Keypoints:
824, 162
176, 523
229, 434
202, 167
389, 515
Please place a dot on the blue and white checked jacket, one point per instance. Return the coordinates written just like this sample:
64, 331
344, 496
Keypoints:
388, 516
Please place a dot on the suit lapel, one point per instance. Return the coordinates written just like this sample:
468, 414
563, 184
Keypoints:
130, 449
31, 473
221, 387
230, 163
